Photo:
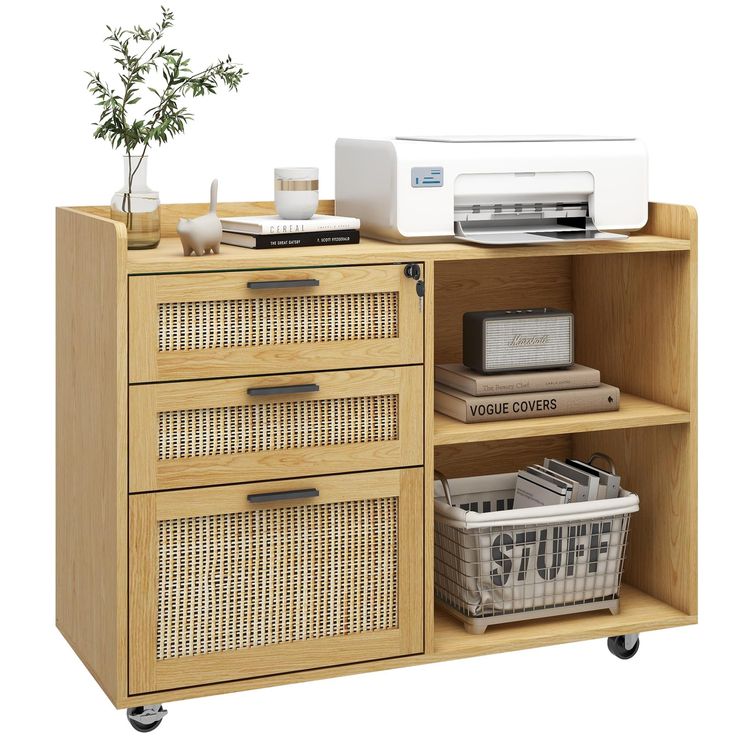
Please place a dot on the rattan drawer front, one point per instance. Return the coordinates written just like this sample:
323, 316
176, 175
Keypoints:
200, 433
224, 324
223, 587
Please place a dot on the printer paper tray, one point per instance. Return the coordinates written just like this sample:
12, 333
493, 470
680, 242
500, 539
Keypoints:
540, 234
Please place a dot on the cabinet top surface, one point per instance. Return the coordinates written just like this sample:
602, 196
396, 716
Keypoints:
168, 256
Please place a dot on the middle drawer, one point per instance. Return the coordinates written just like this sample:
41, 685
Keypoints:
199, 433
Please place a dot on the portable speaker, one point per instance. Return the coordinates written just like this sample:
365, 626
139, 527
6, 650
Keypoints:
518, 340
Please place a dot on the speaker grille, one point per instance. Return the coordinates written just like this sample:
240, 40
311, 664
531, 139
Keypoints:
271, 576
284, 320
528, 343
285, 425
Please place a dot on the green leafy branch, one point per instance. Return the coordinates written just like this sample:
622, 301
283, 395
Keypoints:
138, 53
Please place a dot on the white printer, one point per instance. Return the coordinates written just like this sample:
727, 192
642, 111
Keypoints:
493, 189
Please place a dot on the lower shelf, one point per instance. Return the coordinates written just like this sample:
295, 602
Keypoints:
639, 612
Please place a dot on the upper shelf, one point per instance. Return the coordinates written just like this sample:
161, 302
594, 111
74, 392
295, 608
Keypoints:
634, 411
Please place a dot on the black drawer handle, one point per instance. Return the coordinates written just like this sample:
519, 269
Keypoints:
285, 284
302, 388
283, 495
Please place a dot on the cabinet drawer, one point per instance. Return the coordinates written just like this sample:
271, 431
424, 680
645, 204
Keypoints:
224, 585
260, 322
237, 430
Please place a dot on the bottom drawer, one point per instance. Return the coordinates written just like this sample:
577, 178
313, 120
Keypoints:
261, 578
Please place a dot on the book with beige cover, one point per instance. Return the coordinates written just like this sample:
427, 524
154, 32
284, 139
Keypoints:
458, 376
469, 409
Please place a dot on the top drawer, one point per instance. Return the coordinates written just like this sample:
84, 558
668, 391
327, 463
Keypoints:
259, 322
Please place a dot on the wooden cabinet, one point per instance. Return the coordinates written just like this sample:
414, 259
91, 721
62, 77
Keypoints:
246, 445
256, 579
257, 322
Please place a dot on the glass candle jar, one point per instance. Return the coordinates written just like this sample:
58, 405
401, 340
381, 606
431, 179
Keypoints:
296, 192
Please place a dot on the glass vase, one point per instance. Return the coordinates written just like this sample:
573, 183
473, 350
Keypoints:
136, 205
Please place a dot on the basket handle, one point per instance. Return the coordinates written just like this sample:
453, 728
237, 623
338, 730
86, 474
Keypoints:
445, 485
603, 456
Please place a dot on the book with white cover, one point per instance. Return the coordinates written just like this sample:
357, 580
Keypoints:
588, 484
275, 225
609, 483
570, 487
532, 491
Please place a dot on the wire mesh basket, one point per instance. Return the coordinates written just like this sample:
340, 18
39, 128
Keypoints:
494, 564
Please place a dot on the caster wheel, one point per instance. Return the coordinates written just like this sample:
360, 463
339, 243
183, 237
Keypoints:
621, 648
146, 718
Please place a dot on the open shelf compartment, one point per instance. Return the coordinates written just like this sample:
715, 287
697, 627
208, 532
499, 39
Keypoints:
635, 321
660, 585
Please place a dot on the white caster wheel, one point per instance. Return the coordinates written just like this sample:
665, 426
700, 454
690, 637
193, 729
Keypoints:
146, 717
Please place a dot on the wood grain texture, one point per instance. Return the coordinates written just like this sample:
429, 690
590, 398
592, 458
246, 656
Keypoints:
655, 463
428, 274
209, 467
632, 322
500, 456
516, 283
646, 307
169, 258
149, 673
142, 590
91, 444
672, 221
296, 327
639, 613
634, 411
233, 499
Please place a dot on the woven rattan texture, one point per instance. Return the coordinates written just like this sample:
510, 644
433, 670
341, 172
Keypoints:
284, 320
283, 425
271, 576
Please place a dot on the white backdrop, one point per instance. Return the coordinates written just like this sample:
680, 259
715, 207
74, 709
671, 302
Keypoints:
660, 70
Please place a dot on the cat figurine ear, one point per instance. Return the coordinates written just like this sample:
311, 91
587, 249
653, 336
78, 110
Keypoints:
201, 235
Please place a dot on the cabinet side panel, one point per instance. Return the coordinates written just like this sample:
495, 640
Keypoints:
671, 221
636, 320
91, 443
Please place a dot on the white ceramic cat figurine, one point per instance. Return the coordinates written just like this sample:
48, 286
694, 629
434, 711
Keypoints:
202, 234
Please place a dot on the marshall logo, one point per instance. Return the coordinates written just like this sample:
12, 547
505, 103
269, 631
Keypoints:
531, 341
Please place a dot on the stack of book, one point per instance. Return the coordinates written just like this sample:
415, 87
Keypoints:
469, 396
558, 482
271, 231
